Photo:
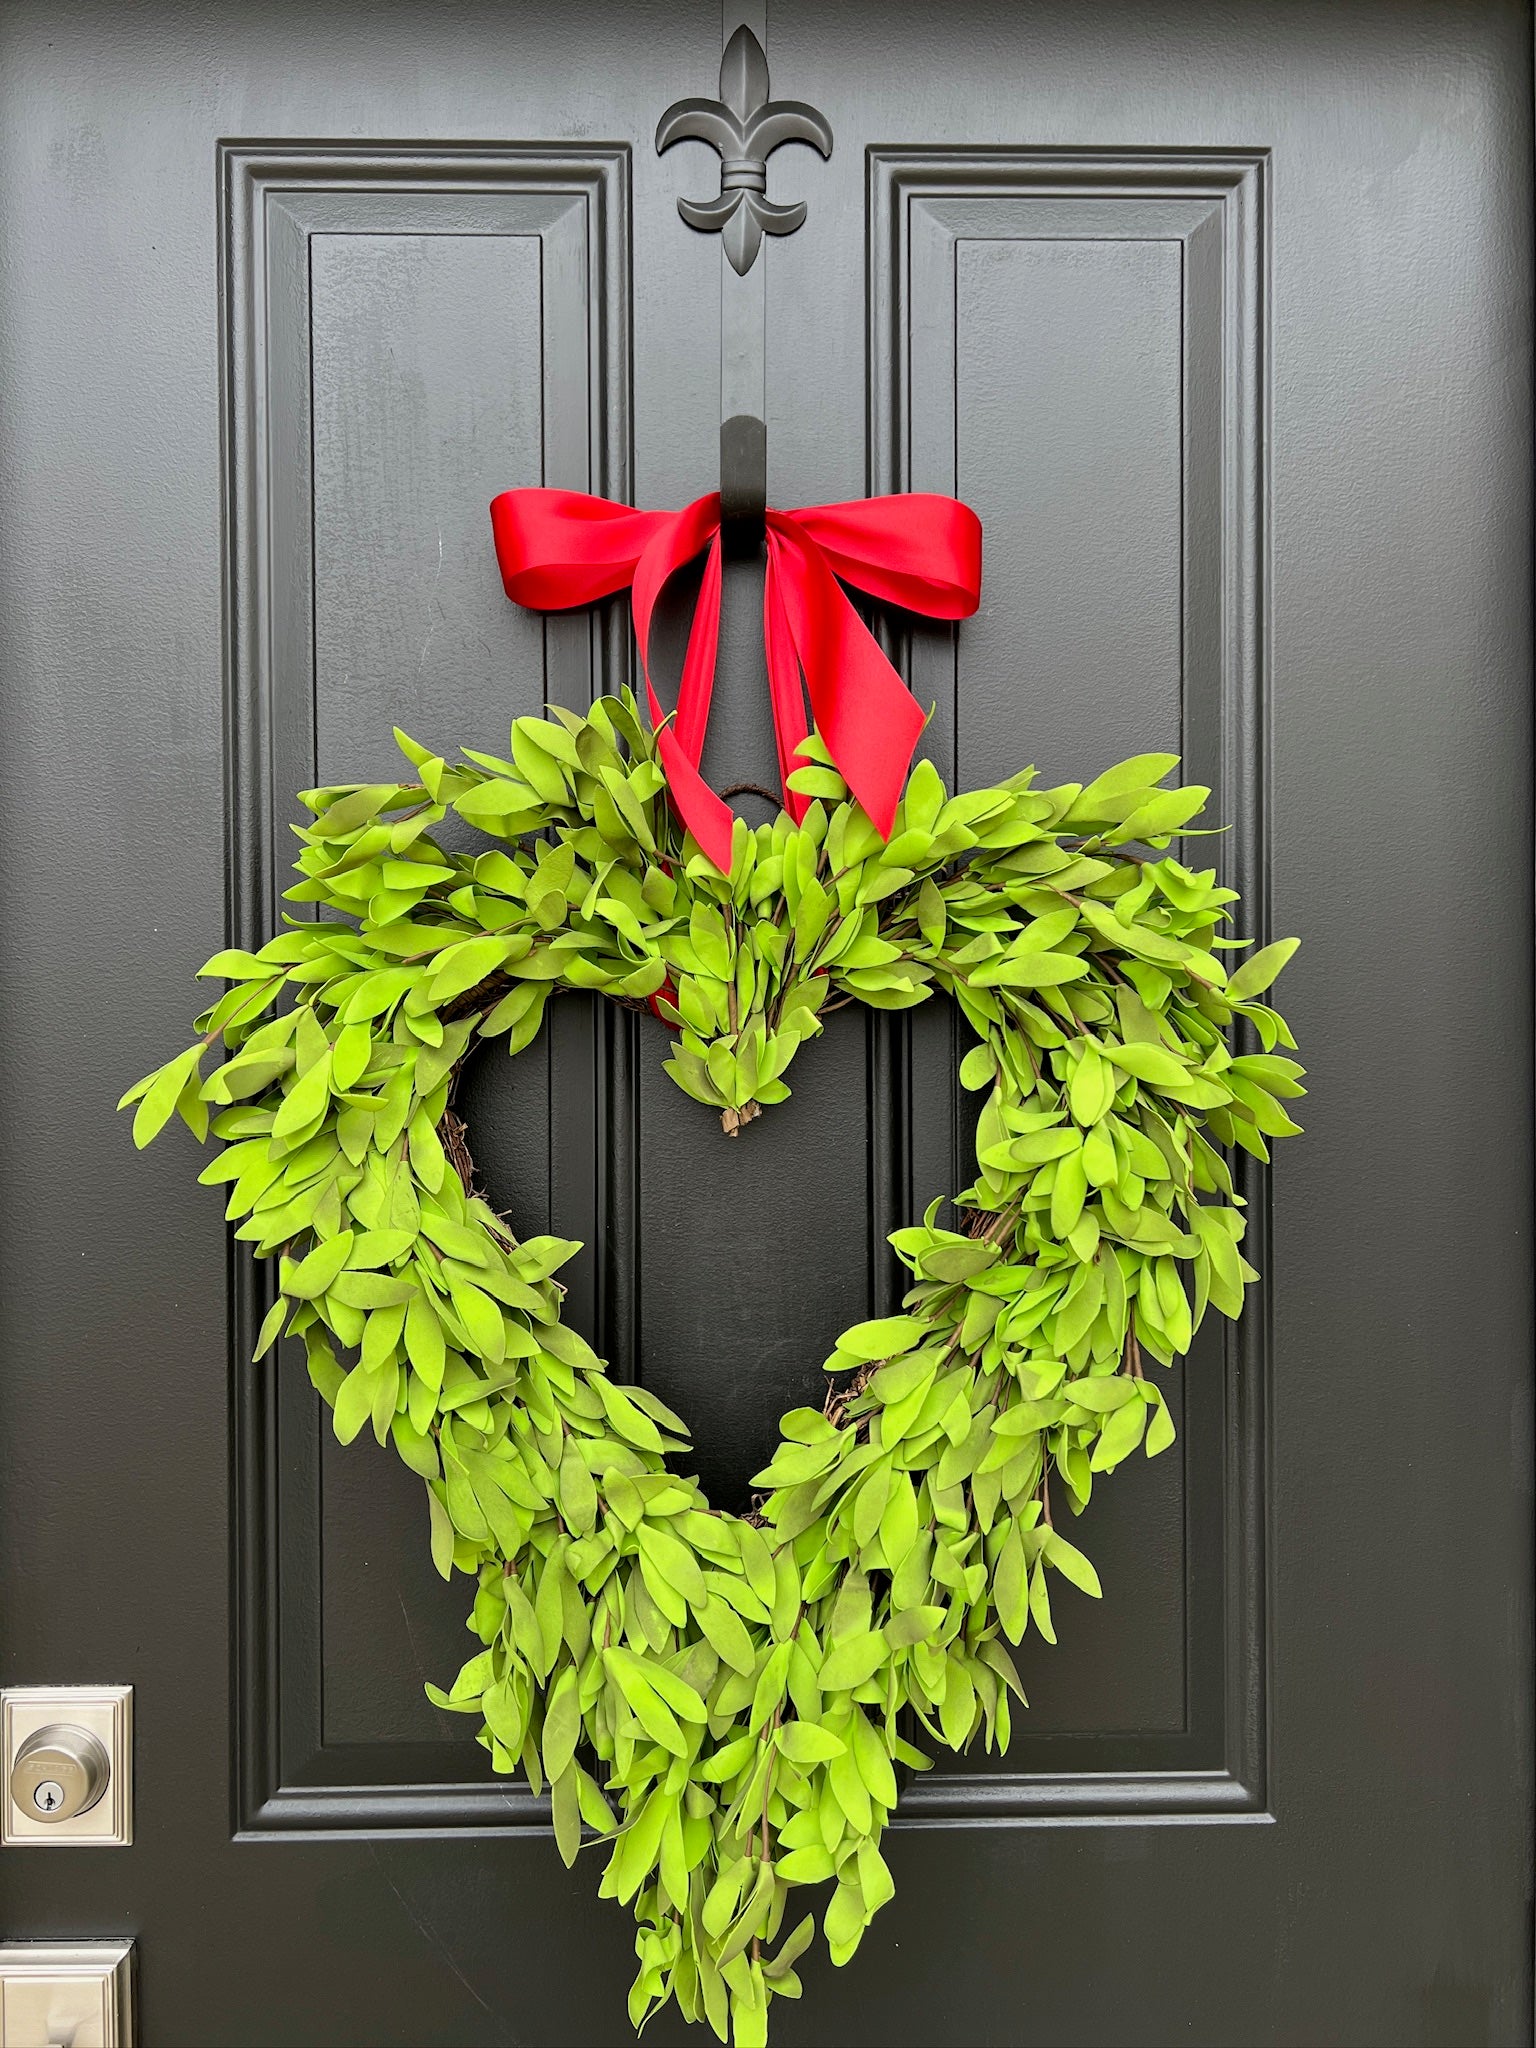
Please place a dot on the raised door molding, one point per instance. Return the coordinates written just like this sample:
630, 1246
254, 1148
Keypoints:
1124, 590
332, 254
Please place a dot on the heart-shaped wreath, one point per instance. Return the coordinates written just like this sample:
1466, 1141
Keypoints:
725, 1697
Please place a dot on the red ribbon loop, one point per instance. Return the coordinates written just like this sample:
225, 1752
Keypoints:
557, 549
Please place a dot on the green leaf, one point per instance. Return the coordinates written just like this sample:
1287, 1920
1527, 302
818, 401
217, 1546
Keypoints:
464, 967
373, 1248
315, 1272
629, 1675
1040, 1602
1121, 1433
757, 1562
849, 1664
675, 1561
350, 1059
679, 1695
354, 1403
355, 807
1031, 970
502, 1715
1151, 1063
768, 1693
1162, 814
726, 1636
875, 1880
370, 1290
565, 1812
325, 1374
271, 1328
961, 1260
1072, 1564
562, 1724
157, 1105
728, 1762
483, 1320
306, 1101
818, 782
1010, 1586
899, 1523
635, 1851
912, 1625
417, 1452
1138, 773
804, 1743
791, 1949
1092, 1088
1259, 970
578, 1495
1100, 1393
235, 965
442, 1535
1160, 1430
886, 1337
895, 1382
504, 807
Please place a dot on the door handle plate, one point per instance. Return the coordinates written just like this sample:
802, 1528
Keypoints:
66, 1995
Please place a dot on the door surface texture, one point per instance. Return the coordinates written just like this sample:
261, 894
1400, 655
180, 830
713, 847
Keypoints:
1218, 316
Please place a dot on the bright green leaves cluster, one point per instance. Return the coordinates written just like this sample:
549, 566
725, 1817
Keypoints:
725, 1698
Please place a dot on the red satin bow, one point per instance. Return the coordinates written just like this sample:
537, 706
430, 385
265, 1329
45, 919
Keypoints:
557, 549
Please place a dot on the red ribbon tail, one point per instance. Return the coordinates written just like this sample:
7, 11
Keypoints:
786, 691
708, 817
697, 684
863, 710
680, 742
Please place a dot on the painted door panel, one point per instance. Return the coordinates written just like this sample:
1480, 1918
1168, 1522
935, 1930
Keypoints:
1220, 319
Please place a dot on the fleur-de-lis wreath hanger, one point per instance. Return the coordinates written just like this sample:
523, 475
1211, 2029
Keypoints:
746, 127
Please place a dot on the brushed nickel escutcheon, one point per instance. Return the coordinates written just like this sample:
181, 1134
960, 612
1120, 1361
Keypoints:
66, 1994
67, 1753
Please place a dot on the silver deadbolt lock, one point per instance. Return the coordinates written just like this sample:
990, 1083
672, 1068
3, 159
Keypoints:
66, 1766
60, 1771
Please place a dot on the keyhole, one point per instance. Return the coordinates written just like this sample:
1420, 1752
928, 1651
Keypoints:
48, 1795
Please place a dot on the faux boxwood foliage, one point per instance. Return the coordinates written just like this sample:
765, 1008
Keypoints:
727, 1702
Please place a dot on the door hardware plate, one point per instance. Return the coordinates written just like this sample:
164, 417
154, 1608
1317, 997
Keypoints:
75, 1992
104, 1711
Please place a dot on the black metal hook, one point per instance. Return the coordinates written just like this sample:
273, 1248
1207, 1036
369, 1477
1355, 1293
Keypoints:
743, 483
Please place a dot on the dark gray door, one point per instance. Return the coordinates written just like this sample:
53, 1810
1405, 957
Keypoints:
1219, 317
